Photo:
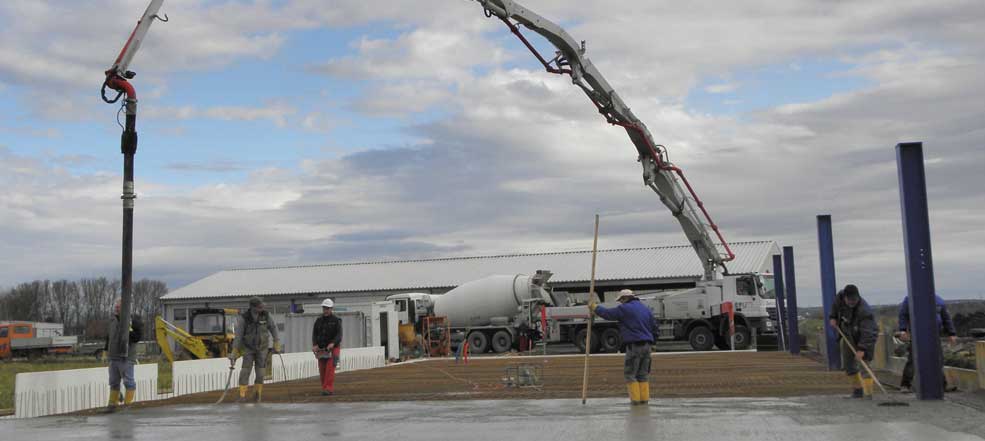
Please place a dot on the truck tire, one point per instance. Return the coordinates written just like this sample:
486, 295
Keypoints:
722, 342
610, 340
701, 338
478, 342
743, 338
502, 341
580, 340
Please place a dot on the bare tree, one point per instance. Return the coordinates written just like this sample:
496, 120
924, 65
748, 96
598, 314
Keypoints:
147, 301
62, 303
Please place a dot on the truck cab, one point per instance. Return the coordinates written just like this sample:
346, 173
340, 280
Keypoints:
10, 332
21, 339
411, 306
699, 316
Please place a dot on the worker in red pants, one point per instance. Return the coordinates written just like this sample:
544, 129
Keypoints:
326, 339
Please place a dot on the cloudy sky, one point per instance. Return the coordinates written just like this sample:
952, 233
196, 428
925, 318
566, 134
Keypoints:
285, 132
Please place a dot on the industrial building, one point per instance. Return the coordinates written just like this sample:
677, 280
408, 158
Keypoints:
290, 289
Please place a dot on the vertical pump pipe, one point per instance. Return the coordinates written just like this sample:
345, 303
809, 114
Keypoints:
781, 309
793, 327
924, 330
117, 77
825, 245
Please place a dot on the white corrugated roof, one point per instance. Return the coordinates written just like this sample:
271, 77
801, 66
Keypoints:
572, 266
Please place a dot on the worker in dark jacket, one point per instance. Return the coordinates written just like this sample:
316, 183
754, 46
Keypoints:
121, 365
944, 324
853, 316
254, 329
326, 340
638, 330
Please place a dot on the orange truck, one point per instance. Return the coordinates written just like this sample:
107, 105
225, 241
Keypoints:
21, 339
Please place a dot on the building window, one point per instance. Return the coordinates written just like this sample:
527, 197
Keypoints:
282, 309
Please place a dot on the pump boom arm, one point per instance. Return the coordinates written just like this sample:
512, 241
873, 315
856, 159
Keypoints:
666, 179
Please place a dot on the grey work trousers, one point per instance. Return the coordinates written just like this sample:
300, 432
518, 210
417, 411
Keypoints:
850, 363
637, 367
121, 371
253, 359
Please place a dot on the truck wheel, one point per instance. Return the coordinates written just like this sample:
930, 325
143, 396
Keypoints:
611, 341
743, 338
580, 340
502, 341
478, 342
701, 338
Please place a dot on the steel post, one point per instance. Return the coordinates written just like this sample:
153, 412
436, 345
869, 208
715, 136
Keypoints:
781, 308
919, 272
825, 245
793, 328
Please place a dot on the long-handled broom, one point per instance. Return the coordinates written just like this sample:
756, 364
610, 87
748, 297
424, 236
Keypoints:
591, 315
892, 401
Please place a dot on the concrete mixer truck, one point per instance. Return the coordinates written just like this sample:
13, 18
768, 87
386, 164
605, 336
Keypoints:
492, 313
495, 312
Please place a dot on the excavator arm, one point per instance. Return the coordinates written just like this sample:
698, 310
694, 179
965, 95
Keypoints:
666, 179
163, 329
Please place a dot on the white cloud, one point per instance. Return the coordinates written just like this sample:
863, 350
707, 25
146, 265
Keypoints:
518, 160
721, 88
276, 113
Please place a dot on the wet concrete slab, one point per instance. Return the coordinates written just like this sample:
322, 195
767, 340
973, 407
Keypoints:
800, 419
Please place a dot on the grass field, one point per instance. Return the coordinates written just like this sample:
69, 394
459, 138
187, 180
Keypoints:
9, 369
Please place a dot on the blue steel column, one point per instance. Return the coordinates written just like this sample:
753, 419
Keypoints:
826, 250
781, 309
919, 272
793, 328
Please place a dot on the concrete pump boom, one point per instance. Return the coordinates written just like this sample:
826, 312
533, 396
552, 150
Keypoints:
666, 179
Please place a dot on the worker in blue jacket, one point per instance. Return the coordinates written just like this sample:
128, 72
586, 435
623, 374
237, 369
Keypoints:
944, 324
638, 330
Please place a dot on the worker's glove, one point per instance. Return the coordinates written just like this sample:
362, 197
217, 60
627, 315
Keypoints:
277, 347
592, 306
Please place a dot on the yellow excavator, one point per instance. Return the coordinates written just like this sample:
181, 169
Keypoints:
210, 333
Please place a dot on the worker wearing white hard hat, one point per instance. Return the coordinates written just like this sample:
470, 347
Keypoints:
638, 331
326, 340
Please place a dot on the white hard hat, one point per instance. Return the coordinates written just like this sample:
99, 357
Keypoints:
327, 303
625, 293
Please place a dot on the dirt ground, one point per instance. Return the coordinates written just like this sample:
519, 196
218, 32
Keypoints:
717, 374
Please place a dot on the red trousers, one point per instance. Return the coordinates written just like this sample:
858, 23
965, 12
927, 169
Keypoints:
326, 370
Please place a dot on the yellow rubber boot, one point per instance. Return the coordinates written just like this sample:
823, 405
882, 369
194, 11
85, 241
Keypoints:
128, 397
242, 393
259, 388
634, 392
644, 392
114, 397
867, 385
